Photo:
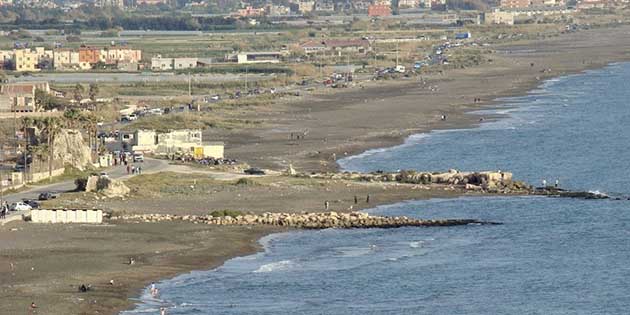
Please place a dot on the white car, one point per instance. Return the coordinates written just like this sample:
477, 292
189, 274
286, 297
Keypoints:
20, 206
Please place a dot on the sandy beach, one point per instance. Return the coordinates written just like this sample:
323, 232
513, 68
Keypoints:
45, 263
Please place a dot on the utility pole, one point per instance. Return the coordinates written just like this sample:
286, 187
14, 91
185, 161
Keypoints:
246, 83
396, 53
189, 85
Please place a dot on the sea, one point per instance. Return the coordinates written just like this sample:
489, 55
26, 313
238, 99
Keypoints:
550, 256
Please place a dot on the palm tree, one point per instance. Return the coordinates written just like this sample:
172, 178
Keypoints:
52, 126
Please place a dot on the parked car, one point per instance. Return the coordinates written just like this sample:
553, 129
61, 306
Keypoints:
46, 196
33, 203
103, 174
254, 171
138, 157
20, 206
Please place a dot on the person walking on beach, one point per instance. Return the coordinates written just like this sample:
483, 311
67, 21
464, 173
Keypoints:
367, 199
557, 184
128, 169
326, 204
356, 200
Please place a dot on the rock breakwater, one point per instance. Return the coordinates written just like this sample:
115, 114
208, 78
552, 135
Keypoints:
323, 220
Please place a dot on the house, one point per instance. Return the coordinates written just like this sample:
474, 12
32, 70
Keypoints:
184, 63
20, 97
187, 141
161, 64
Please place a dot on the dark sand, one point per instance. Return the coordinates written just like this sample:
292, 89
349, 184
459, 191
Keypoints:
382, 114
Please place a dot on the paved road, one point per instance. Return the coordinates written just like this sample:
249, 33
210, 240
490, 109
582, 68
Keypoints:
118, 172
149, 166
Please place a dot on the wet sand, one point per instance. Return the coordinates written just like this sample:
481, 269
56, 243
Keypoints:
50, 261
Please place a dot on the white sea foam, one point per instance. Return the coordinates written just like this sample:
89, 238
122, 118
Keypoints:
275, 266
416, 244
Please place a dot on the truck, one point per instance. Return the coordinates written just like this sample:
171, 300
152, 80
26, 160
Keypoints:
463, 35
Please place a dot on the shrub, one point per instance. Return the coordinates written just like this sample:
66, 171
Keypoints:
245, 181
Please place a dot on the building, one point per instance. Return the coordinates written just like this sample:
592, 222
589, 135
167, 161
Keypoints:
313, 47
499, 17
151, 2
165, 64
360, 46
188, 142
161, 64
113, 55
407, 4
26, 60
255, 57
110, 3
20, 97
250, 11
324, 6
594, 4
379, 10
67, 59
91, 55
184, 63
305, 7
277, 10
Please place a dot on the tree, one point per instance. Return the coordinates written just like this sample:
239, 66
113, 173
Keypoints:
52, 126
78, 92
93, 91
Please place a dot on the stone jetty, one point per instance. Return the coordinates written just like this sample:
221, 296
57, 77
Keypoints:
322, 220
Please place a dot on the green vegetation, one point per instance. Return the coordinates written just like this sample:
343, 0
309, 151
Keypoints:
246, 182
187, 121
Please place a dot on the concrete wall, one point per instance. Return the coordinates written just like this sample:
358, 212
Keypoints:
67, 216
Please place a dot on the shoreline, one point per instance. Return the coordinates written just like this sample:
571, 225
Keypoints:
359, 132
468, 120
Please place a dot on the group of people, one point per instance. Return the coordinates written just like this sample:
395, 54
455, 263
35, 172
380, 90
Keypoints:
132, 169
4, 209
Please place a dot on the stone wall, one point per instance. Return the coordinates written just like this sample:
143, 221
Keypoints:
67, 216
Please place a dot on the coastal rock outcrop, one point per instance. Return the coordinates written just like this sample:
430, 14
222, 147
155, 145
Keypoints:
104, 185
487, 180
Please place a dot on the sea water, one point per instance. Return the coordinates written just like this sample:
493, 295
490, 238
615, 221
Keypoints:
551, 255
